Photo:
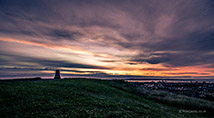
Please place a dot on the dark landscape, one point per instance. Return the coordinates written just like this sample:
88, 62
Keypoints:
78, 97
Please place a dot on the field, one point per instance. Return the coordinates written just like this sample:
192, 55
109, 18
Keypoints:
77, 98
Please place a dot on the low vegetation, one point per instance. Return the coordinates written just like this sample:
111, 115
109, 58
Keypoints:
93, 98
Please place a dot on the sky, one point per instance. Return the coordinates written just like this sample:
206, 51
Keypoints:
169, 38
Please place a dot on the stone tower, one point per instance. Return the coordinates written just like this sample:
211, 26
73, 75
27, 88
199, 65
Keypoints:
57, 75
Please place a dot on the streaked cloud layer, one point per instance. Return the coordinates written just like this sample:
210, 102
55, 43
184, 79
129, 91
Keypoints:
115, 37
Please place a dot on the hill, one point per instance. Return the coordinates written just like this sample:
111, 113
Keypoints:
90, 98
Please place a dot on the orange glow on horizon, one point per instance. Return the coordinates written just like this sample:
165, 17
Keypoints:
118, 68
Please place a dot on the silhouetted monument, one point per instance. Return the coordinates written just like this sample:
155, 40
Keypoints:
57, 75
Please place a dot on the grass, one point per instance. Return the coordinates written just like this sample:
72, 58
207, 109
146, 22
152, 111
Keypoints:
85, 98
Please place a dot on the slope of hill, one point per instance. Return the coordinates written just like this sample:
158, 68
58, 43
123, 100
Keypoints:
82, 98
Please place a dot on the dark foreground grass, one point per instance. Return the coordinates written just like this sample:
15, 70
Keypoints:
81, 98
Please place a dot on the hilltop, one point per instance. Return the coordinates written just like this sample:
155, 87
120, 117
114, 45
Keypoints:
93, 98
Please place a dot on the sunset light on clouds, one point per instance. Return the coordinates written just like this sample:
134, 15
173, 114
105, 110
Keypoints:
107, 37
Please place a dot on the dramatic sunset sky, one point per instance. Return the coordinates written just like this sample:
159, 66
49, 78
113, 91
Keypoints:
107, 37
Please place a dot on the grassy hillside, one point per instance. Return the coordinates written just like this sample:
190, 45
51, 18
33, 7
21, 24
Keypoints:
84, 98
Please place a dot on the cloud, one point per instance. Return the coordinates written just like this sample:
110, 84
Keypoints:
52, 63
159, 69
63, 34
166, 32
186, 58
108, 61
188, 73
67, 64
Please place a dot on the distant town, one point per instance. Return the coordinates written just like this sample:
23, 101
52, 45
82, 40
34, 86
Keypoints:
202, 90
